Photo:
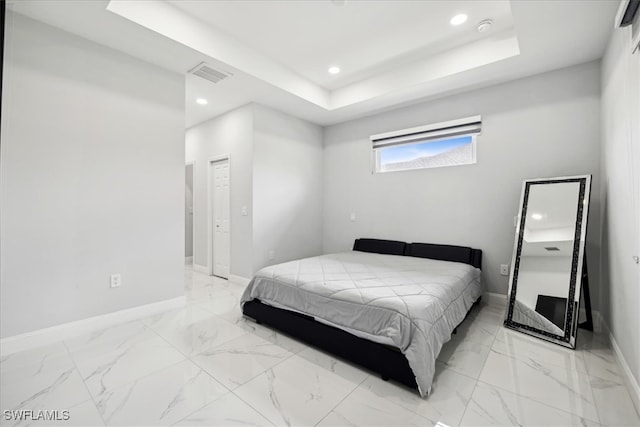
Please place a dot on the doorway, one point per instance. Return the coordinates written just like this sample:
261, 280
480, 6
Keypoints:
219, 213
188, 213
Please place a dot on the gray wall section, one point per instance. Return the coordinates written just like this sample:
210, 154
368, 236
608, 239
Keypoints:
228, 134
188, 211
287, 188
92, 179
542, 126
620, 192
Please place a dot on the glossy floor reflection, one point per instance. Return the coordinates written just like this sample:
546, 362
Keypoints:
206, 365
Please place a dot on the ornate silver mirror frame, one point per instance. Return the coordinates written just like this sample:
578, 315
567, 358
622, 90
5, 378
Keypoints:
547, 267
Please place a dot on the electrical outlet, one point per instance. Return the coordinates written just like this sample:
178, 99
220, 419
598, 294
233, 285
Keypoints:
116, 280
352, 217
244, 211
504, 269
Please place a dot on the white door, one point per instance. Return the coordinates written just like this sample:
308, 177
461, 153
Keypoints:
221, 228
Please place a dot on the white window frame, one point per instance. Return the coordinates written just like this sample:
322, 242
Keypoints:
468, 126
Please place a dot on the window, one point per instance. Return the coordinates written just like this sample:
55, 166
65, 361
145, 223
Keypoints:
443, 144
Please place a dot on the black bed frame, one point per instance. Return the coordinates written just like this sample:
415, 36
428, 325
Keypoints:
385, 360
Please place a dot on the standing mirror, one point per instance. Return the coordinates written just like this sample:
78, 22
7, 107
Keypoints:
548, 259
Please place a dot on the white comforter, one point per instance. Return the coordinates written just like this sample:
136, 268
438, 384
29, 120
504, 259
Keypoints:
411, 303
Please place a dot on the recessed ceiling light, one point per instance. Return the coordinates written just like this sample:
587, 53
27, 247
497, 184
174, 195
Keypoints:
202, 101
334, 70
459, 19
484, 25
536, 216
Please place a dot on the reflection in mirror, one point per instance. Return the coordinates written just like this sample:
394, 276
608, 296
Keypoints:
544, 283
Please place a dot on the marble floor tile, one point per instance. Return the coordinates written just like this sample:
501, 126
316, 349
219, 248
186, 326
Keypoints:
361, 413
84, 415
192, 329
109, 365
567, 390
339, 367
477, 331
271, 335
602, 363
445, 404
119, 335
295, 392
493, 406
161, 398
227, 411
614, 404
464, 357
34, 359
359, 409
206, 293
226, 306
237, 361
518, 345
50, 383
211, 287
490, 313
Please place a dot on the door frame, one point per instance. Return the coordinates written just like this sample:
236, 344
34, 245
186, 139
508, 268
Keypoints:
192, 163
211, 161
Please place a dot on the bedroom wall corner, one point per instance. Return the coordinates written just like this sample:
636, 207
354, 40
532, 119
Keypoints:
287, 187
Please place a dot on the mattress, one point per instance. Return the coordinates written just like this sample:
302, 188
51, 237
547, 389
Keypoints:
410, 303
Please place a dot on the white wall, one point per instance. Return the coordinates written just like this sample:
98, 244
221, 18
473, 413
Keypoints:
620, 163
228, 134
287, 188
92, 179
542, 126
188, 211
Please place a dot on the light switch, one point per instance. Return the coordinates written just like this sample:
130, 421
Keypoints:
352, 217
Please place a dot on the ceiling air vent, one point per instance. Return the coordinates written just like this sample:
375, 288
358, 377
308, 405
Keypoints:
207, 72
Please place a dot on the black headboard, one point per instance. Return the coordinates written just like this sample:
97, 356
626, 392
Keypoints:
376, 246
452, 253
463, 254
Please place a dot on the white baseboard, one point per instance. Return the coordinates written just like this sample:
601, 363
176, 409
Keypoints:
188, 260
239, 279
57, 333
201, 268
629, 379
632, 384
495, 299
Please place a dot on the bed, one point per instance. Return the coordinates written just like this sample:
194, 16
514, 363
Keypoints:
387, 305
